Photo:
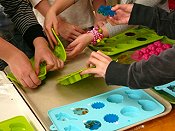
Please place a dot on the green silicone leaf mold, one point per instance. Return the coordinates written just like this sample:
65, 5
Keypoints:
59, 50
41, 76
18, 123
127, 40
72, 78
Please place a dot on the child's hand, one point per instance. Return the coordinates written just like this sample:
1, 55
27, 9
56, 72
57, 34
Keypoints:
100, 20
123, 12
22, 69
49, 23
43, 53
100, 61
68, 31
77, 46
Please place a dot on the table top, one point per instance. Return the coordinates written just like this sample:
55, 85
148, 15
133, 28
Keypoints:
50, 94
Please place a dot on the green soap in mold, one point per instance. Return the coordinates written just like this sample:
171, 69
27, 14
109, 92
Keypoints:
59, 50
72, 78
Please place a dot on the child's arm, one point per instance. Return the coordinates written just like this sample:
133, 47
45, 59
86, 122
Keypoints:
25, 21
68, 31
51, 17
41, 5
153, 17
78, 45
158, 70
114, 30
19, 64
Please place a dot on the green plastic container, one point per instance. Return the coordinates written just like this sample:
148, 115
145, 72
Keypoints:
18, 123
72, 78
127, 40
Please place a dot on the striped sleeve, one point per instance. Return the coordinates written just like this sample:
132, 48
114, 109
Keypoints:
20, 12
35, 2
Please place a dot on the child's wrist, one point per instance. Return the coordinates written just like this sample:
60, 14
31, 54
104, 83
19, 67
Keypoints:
90, 37
97, 35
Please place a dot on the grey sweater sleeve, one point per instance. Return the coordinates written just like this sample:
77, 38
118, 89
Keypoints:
156, 71
114, 30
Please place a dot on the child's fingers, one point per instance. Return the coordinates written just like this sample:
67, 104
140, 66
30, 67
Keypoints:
119, 6
50, 35
102, 54
37, 66
98, 57
92, 62
50, 41
74, 52
111, 21
35, 79
73, 36
72, 45
23, 83
89, 71
70, 39
81, 31
114, 8
55, 26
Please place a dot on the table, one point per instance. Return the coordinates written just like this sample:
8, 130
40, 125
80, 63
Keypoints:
50, 94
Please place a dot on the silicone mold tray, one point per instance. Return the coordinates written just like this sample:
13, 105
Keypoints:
59, 50
128, 40
169, 89
110, 111
18, 123
72, 78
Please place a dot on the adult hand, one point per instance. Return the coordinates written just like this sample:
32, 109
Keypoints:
123, 12
43, 53
68, 31
77, 46
98, 60
22, 69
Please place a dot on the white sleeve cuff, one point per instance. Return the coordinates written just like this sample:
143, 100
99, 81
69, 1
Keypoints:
35, 2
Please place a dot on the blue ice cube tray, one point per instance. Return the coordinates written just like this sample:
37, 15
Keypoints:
110, 111
167, 91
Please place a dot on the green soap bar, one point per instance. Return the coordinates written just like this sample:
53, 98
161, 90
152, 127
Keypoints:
127, 40
59, 50
72, 78
18, 123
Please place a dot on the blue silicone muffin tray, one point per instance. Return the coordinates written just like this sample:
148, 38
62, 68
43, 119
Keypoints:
110, 111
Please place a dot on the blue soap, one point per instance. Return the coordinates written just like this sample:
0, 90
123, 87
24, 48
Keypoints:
106, 10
